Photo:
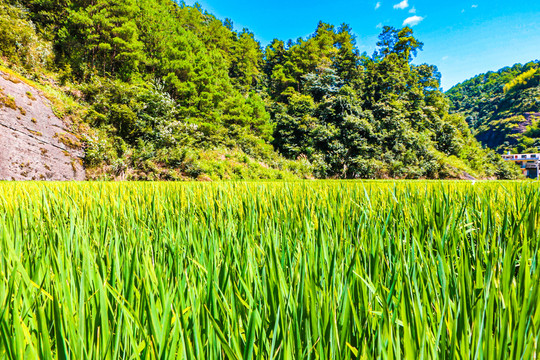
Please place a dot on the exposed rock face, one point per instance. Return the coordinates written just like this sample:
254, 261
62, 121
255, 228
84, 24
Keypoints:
33, 141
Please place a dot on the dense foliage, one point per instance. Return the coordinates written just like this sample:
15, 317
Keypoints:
318, 270
355, 116
503, 107
160, 80
19, 42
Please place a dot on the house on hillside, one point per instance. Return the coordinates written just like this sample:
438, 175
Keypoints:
529, 163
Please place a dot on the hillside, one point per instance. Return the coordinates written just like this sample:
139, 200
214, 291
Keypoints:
168, 91
502, 107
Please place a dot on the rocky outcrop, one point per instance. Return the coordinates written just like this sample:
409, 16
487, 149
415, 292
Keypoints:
34, 143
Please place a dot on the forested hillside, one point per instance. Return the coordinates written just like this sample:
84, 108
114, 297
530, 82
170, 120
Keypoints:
161, 90
503, 107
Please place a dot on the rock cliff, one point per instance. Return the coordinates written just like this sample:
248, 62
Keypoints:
34, 143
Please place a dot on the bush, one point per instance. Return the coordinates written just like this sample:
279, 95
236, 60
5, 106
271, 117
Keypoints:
19, 42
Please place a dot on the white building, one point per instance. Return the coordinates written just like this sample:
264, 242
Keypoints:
529, 163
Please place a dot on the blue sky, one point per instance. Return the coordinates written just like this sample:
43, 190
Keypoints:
463, 38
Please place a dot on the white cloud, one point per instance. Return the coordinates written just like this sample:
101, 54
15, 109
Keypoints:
413, 10
379, 26
462, 11
445, 58
474, 6
402, 5
413, 20
378, 5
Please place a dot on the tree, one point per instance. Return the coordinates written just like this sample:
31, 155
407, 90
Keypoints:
398, 41
246, 60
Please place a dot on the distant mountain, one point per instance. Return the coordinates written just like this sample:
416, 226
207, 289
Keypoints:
502, 107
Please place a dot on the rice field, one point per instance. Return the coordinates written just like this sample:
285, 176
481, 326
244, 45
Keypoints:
270, 270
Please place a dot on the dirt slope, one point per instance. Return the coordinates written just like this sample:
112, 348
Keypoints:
33, 141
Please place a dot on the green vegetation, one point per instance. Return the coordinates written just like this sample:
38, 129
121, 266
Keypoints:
530, 139
19, 42
501, 106
526, 79
156, 79
354, 116
321, 270
7, 100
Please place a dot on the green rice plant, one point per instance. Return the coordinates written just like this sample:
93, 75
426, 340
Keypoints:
270, 270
